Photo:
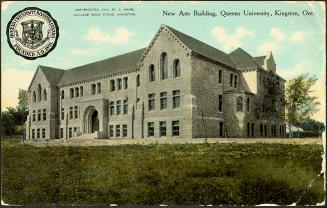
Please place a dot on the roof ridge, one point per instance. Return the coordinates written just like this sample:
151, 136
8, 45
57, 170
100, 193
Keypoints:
202, 48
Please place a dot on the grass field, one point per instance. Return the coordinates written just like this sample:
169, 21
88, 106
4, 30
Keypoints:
161, 174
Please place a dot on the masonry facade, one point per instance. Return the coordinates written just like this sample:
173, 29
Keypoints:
176, 87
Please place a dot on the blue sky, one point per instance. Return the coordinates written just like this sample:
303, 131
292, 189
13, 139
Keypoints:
298, 43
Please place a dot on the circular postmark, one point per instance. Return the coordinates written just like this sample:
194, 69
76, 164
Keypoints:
32, 33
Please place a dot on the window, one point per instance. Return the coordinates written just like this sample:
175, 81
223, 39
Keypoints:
62, 94
239, 104
43, 133
33, 118
235, 81
112, 108
44, 114
150, 129
220, 103
221, 129
152, 75
118, 107
45, 95
163, 100
176, 99
125, 106
118, 84
99, 87
252, 129
117, 130
138, 80
62, 113
163, 128
61, 132
177, 68
125, 83
220, 74
151, 101
265, 130
76, 92
33, 133
76, 111
75, 131
111, 131
231, 80
248, 129
124, 130
112, 85
164, 66
70, 132
34, 96
248, 104
38, 133
81, 90
71, 93
71, 112
261, 130
39, 115
175, 128
93, 89
39, 90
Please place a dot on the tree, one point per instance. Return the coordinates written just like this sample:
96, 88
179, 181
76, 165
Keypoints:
268, 105
22, 100
22, 108
300, 104
13, 119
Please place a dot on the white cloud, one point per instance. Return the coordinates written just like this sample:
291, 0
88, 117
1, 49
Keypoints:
277, 34
5, 5
278, 38
298, 68
11, 81
267, 46
297, 36
120, 36
230, 40
81, 52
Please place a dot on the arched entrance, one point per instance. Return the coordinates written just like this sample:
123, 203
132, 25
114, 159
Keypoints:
94, 121
91, 120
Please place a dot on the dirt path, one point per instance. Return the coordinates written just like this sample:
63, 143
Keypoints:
101, 142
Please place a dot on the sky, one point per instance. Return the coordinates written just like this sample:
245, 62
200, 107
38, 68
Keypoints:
297, 42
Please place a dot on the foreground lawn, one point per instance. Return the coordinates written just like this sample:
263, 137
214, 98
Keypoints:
161, 174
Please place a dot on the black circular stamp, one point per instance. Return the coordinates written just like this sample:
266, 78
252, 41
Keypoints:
32, 33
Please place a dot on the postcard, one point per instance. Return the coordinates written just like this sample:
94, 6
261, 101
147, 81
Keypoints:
163, 103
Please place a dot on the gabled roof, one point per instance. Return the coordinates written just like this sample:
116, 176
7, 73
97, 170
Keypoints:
53, 75
243, 60
260, 59
203, 48
108, 66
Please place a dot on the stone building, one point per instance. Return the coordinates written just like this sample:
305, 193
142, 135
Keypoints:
176, 87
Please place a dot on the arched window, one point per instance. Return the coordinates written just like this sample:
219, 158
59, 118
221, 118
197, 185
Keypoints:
220, 103
45, 95
34, 96
164, 65
239, 104
248, 104
62, 94
39, 90
152, 75
177, 68
138, 80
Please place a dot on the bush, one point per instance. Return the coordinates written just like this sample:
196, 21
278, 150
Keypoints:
305, 134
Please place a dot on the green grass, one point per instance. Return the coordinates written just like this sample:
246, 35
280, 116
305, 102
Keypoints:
161, 174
